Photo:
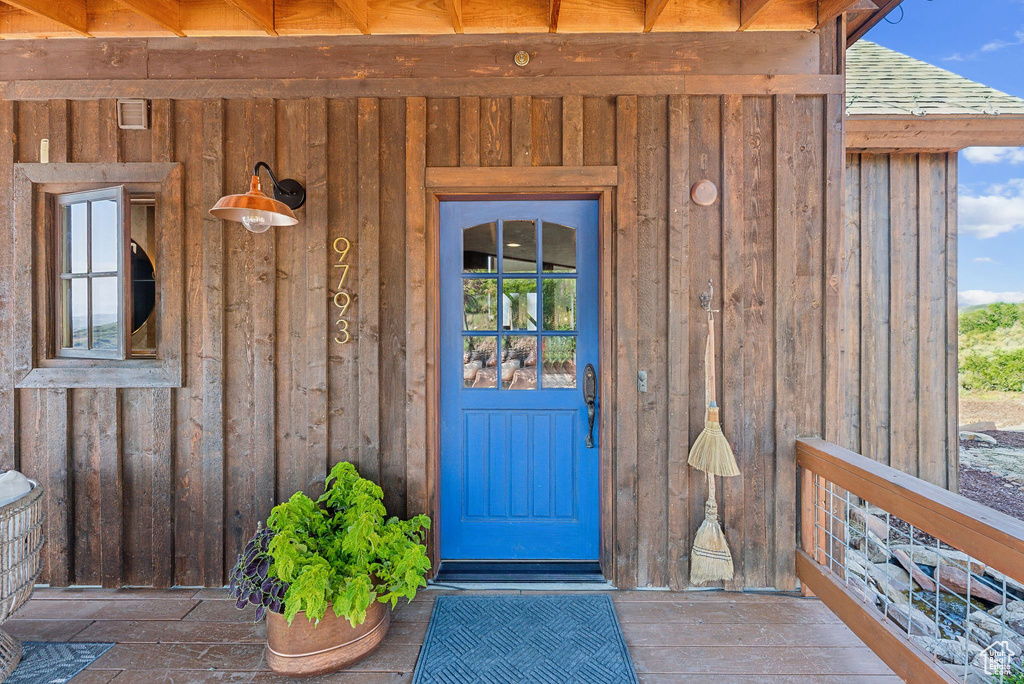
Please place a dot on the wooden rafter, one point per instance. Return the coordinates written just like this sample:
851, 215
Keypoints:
828, 10
260, 11
554, 8
69, 13
653, 10
454, 8
357, 11
751, 9
164, 12
884, 7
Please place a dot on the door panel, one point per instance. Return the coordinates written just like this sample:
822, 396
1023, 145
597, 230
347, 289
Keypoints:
519, 312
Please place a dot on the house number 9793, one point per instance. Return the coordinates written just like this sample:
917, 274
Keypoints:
342, 299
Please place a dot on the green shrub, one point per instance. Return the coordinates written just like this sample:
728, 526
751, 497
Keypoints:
991, 317
1000, 371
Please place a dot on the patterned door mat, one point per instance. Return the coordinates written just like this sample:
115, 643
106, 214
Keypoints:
535, 639
44, 662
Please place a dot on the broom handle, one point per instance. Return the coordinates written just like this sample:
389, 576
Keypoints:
711, 492
709, 361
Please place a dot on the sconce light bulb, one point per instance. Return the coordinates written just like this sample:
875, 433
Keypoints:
256, 222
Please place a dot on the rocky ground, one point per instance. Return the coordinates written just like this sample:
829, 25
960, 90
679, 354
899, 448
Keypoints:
992, 469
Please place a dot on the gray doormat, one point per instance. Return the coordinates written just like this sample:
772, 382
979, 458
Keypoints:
535, 639
44, 662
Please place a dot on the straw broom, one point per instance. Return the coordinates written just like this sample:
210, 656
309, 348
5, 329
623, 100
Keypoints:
710, 558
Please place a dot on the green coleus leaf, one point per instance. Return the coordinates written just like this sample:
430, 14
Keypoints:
327, 550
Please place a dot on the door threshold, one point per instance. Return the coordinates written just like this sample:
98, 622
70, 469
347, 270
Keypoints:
585, 572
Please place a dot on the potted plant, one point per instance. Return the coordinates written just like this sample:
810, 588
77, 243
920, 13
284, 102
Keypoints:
322, 573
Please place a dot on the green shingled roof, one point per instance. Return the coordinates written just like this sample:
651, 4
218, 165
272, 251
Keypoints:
883, 82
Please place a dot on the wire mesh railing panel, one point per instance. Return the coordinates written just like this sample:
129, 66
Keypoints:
966, 617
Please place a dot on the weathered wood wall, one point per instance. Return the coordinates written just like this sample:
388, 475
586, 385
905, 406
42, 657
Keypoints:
162, 486
901, 229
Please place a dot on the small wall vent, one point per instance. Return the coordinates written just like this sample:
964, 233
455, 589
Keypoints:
133, 114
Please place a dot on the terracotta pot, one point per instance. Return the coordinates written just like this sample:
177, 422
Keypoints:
306, 650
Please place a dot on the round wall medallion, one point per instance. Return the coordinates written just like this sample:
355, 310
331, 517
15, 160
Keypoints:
522, 58
704, 193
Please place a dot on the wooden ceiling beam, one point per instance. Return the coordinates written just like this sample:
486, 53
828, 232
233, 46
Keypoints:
750, 10
554, 8
69, 13
357, 11
260, 11
454, 8
167, 13
652, 11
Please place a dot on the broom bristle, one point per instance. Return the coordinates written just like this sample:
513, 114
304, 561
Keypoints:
710, 559
711, 451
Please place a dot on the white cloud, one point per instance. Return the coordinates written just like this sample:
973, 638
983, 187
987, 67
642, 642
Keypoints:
984, 260
972, 297
1000, 44
995, 155
955, 57
999, 210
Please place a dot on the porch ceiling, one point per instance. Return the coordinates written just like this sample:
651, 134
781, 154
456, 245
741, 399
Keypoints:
141, 18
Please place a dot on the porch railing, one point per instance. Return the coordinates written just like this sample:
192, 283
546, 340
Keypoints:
932, 582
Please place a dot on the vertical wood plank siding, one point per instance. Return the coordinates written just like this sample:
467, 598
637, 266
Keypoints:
269, 401
901, 242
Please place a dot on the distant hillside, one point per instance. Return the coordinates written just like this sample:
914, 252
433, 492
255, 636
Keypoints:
992, 347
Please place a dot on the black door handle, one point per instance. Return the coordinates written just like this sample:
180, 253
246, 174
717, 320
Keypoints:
590, 396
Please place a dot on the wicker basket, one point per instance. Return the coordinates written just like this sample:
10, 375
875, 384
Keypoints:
21, 539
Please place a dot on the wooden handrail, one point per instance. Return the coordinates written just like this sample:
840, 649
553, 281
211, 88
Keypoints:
991, 537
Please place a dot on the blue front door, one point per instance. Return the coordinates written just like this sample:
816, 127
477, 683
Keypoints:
519, 313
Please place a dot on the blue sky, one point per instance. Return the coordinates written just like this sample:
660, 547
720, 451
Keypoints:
984, 41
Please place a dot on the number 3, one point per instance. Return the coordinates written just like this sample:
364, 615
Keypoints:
344, 329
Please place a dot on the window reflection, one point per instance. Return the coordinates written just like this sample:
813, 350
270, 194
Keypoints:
520, 248
480, 362
480, 248
479, 304
559, 367
559, 252
519, 302
560, 304
519, 362
105, 228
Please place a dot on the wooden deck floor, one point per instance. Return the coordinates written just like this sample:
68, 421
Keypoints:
189, 635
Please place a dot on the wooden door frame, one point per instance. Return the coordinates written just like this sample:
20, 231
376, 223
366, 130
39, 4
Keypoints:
528, 183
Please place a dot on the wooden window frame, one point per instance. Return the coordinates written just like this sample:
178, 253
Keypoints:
60, 241
35, 361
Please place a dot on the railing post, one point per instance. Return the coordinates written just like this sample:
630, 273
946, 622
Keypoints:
807, 518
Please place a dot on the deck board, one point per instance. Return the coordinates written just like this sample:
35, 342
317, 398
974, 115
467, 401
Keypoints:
196, 635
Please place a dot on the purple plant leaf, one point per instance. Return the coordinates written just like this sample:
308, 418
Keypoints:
241, 603
260, 612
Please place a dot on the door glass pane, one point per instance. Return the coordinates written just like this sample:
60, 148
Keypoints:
76, 220
560, 304
520, 248
480, 304
559, 368
519, 362
519, 302
77, 311
480, 362
104, 236
104, 313
480, 248
559, 253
